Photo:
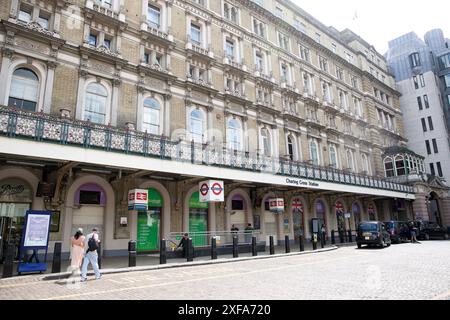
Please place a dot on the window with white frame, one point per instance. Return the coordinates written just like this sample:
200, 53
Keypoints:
152, 116
154, 16
323, 63
279, 12
96, 103
305, 53
365, 163
229, 49
339, 73
24, 91
308, 85
27, 13
317, 37
230, 12
283, 41
314, 152
358, 107
234, 131
196, 127
196, 34
285, 72
354, 81
259, 28
326, 92
266, 144
351, 160
259, 61
333, 156
105, 3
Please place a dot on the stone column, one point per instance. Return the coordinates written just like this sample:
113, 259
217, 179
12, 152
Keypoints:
140, 107
80, 97
168, 15
115, 101
445, 211
166, 130
420, 208
14, 9
210, 124
51, 66
6, 60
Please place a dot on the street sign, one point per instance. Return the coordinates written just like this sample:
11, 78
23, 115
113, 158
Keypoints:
212, 191
138, 199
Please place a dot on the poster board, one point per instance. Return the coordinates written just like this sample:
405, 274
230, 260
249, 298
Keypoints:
36, 233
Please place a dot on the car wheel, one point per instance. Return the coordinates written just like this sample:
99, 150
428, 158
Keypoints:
359, 246
446, 236
427, 236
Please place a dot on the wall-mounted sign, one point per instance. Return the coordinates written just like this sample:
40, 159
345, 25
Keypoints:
211, 191
138, 199
15, 190
297, 205
276, 205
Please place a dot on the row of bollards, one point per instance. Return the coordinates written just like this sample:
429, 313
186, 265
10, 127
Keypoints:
189, 252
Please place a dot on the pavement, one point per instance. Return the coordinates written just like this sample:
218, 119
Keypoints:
400, 272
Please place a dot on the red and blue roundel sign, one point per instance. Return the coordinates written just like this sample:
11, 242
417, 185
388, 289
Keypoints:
212, 191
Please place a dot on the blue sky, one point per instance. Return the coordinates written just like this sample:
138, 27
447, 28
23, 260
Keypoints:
382, 20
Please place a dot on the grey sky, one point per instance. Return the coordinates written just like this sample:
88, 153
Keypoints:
382, 20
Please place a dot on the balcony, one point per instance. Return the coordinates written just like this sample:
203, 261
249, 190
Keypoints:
289, 89
150, 33
104, 13
236, 96
332, 128
263, 78
231, 64
310, 97
42, 129
196, 49
314, 122
156, 70
361, 119
265, 105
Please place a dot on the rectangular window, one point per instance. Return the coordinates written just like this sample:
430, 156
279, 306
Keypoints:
430, 123
107, 43
422, 80
333, 48
425, 99
339, 73
304, 53
230, 49
424, 125
317, 38
154, 16
279, 12
444, 61
439, 168
414, 59
447, 80
90, 197
355, 82
93, 40
427, 143
419, 102
323, 64
349, 57
432, 169
43, 20
435, 147
195, 34
147, 58
259, 28
24, 15
416, 82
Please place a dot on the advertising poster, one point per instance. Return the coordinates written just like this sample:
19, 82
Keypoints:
37, 230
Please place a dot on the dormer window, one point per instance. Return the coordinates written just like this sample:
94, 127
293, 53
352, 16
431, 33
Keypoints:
154, 16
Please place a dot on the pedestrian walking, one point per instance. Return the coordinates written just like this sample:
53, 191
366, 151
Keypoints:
77, 250
413, 230
323, 233
91, 255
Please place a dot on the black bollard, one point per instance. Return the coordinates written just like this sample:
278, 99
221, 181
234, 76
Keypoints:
131, 253
162, 252
99, 253
213, 248
341, 236
333, 239
190, 251
272, 248
9, 260
314, 241
254, 250
235, 247
302, 244
350, 238
287, 245
56, 264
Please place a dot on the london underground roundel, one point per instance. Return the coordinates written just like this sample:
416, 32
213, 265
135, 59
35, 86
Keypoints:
204, 189
217, 189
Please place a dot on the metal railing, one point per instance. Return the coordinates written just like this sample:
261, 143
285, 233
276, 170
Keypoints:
42, 127
223, 238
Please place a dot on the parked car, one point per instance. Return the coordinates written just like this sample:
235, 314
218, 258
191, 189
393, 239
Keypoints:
430, 230
398, 230
373, 233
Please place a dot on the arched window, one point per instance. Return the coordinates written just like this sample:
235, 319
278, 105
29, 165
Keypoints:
266, 146
333, 157
96, 103
400, 165
234, 131
350, 160
389, 167
196, 125
365, 163
24, 91
152, 116
314, 152
290, 147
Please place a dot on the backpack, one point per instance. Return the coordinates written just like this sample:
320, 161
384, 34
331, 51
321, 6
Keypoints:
92, 244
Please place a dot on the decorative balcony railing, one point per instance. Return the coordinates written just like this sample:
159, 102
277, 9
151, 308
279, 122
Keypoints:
41, 127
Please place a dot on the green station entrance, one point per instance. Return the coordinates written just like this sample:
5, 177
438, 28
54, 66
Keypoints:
198, 220
149, 223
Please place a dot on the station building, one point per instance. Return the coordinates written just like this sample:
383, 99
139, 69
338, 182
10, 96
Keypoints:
102, 97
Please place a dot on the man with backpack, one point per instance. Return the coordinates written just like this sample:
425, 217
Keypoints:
91, 255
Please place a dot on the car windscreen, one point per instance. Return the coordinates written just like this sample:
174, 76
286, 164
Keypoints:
368, 227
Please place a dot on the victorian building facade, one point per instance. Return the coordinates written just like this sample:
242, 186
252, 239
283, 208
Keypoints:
100, 97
